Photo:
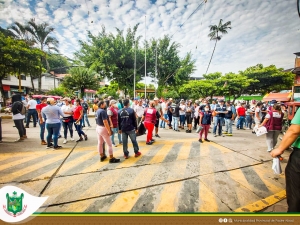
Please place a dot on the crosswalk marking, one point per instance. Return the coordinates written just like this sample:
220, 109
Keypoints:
161, 154
207, 199
184, 151
125, 201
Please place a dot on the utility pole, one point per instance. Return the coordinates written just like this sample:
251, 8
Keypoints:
155, 69
134, 71
145, 62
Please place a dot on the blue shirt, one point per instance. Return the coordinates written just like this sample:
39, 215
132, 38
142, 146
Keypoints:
52, 114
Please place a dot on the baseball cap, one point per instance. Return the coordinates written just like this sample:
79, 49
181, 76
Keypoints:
112, 102
155, 99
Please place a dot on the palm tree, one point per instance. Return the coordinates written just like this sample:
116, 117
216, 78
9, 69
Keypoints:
20, 32
215, 31
41, 35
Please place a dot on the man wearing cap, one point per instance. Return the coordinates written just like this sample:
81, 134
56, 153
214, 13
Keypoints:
159, 110
220, 110
41, 121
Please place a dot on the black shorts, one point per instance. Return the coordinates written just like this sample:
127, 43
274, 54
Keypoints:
157, 123
188, 118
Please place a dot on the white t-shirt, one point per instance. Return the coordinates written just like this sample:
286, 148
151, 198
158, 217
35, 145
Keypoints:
32, 104
163, 107
25, 103
139, 110
182, 107
18, 116
67, 108
275, 115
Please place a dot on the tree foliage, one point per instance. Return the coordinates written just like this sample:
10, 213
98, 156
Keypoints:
81, 78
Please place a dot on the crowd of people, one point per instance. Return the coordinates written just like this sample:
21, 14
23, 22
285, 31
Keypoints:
124, 117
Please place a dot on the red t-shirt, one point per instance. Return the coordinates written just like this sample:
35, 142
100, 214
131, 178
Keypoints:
76, 114
41, 106
241, 111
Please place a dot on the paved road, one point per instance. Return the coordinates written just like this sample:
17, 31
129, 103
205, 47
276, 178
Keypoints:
176, 174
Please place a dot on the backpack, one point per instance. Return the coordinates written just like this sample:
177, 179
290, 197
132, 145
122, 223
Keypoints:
85, 106
18, 107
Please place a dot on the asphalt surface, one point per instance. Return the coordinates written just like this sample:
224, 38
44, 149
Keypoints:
175, 174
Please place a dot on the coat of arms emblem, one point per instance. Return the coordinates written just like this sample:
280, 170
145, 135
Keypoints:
14, 206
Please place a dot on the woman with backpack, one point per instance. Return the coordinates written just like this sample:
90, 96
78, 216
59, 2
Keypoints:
273, 123
18, 117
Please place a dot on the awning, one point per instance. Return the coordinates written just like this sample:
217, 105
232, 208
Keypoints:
89, 91
280, 97
6, 87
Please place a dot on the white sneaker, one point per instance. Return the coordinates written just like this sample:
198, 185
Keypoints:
72, 139
65, 141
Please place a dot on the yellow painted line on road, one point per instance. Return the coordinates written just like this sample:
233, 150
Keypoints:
21, 172
69, 164
80, 206
125, 201
206, 163
207, 199
169, 198
184, 151
262, 204
17, 162
132, 160
161, 154
221, 148
204, 149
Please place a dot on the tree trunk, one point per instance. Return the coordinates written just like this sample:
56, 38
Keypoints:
32, 83
81, 92
211, 57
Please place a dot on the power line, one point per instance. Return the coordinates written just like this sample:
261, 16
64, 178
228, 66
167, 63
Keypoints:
181, 25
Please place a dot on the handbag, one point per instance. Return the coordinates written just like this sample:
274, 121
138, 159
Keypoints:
261, 131
141, 129
66, 119
199, 128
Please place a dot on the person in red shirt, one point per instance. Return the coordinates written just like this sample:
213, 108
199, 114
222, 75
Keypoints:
241, 114
39, 108
77, 116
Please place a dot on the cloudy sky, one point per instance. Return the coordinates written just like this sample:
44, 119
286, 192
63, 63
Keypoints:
263, 31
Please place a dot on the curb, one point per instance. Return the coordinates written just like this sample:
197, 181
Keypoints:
264, 203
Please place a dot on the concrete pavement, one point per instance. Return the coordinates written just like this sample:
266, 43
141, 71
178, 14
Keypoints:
175, 174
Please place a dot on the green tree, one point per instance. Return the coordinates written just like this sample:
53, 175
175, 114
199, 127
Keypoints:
111, 90
81, 78
41, 36
269, 79
60, 91
215, 35
235, 84
57, 61
20, 32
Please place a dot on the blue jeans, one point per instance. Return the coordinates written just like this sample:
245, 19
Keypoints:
249, 121
241, 122
228, 125
53, 130
218, 123
86, 119
182, 120
68, 125
132, 136
163, 123
79, 129
175, 122
33, 113
112, 137
42, 131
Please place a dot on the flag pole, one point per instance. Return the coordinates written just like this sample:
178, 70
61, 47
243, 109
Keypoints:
145, 61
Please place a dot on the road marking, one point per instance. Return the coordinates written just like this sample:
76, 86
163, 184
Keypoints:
161, 154
208, 202
184, 151
263, 203
220, 147
169, 198
125, 201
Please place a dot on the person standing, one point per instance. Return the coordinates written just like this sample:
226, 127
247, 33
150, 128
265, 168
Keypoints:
249, 117
205, 122
189, 112
241, 114
220, 111
170, 113
25, 103
77, 116
164, 111
149, 118
67, 120
41, 121
139, 111
273, 123
176, 116
103, 132
196, 114
52, 114
258, 115
182, 114
128, 127
31, 112
17, 117
292, 173
159, 110
112, 113
86, 112
229, 118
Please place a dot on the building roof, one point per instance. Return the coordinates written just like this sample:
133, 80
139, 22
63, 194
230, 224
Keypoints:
280, 97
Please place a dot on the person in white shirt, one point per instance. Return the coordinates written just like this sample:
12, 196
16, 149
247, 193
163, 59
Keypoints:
31, 107
139, 111
67, 120
182, 109
25, 103
164, 107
